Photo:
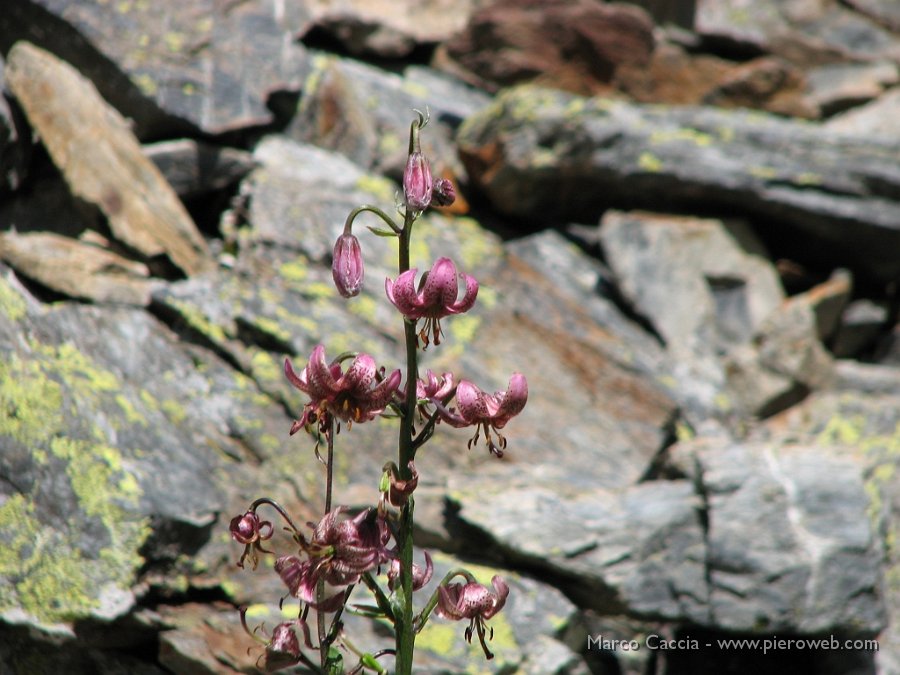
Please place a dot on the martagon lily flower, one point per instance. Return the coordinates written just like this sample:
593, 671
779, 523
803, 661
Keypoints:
473, 601
486, 411
339, 553
354, 396
437, 296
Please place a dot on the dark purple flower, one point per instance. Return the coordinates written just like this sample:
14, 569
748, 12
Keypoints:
420, 576
249, 530
347, 265
474, 602
398, 490
487, 411
417, 183
352, 396
338, 553
436, 296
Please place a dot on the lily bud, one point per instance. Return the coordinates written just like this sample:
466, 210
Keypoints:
443, 194
347, 266
417, 183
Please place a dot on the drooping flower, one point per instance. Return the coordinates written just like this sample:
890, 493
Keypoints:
283, 648
417, 182
396, 491
487, 411
347, 265
420, 576
437, 296
474, 602
353, 396
249, 530
338, 553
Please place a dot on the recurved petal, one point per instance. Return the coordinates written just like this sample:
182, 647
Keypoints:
471, 403
320, 376
501, 590
293, 378
465, 303
402, 293
381, 393
448, 601
513, 401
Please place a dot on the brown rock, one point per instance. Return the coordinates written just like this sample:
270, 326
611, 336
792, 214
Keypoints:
576, 46
77, 269
101, 159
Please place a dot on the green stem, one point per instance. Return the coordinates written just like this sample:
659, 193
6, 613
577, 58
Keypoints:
403, 624
348, 224
324, 643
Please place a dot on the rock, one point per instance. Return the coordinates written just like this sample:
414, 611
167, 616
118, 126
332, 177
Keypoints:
577, 46
813, 565
383, 28
364, 113
835, 88
707, 290
827, 301
15, 141
861, 323
137, 448
77, 269
101, 159
806, 33
858, 419
676, 75
880, 117
886, 14
172, 67
195, 168
536, 159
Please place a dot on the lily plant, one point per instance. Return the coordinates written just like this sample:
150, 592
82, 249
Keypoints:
374, 547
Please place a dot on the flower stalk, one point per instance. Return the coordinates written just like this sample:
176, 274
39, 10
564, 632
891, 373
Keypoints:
372, 550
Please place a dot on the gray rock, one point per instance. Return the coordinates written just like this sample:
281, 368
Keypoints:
172, 67
837, 87
546, 156
705, 287
195, 168
131, 445
880, 117
364, 113
385, 28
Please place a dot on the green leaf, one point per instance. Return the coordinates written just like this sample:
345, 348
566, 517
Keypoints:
378, 232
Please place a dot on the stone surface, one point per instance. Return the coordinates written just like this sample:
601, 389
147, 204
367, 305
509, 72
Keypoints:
101, 159
195, 168
880, 117
364, 113
172, 67
579, 46
543, 155
386, 28
15, 141
77, 269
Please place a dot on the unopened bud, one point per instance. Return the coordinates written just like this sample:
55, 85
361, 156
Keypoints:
347, 266
417, 183
443, 194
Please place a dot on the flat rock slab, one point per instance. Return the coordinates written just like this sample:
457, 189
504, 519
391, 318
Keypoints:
77, 269
173, 67
101, 159
546, 156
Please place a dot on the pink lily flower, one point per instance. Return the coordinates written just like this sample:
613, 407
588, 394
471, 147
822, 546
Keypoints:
352, 396
437, 296
486, 411
473, 601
